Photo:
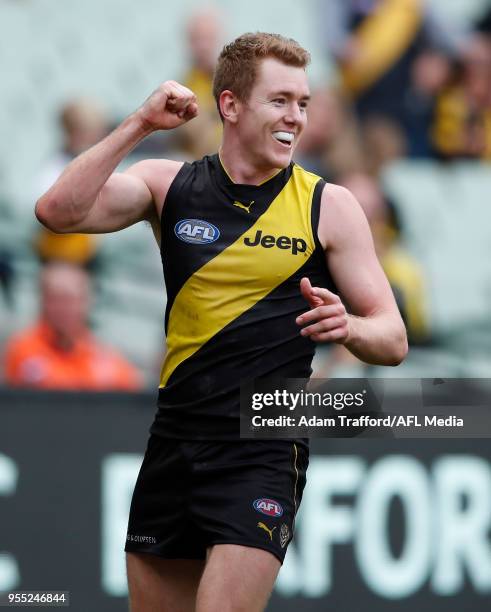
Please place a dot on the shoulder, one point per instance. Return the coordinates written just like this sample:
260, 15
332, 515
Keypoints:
158, 175
337, 196
155, 170
299, 170
341, 216
113, 367
23, 341
24, 350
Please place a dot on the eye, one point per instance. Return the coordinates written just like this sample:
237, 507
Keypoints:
279, 101
303, 106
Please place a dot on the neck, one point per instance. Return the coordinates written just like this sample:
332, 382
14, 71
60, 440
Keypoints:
242, 170
63, 340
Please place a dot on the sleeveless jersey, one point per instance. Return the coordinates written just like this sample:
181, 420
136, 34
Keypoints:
233, 256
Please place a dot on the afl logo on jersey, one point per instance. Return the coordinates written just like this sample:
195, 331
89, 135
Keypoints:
196, 231
270, 507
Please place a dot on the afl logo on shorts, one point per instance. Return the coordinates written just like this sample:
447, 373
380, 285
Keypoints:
196, 231
270, 507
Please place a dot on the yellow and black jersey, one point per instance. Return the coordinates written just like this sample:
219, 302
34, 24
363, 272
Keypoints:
233, 256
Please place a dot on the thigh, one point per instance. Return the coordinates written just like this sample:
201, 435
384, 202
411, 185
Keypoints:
237, 578
162, 585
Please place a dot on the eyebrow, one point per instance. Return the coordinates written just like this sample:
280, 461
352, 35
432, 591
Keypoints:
289, 94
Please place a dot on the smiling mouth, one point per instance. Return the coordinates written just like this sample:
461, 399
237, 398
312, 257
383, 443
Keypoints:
284, 138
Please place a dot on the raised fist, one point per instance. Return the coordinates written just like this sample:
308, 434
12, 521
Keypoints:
170, 106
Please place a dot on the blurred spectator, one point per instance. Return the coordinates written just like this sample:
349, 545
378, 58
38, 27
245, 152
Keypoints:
204, 36
6, 274
462, 118
404, 273
484, 23
383, 142
430, 72
6, 294
331, 143
60, 352
375, 43
83, 124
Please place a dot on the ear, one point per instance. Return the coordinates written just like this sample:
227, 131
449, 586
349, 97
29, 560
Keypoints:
229, 106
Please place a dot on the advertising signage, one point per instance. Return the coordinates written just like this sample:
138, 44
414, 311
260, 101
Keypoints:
385, 524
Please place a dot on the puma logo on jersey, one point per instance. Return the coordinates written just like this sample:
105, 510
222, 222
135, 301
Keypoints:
246, 207
296, 245
265, 527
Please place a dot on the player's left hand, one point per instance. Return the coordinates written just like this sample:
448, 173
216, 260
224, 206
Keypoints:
327, 319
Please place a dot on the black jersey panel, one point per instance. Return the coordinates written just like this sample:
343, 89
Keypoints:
233, 256
262, 258
204, 213
263, 341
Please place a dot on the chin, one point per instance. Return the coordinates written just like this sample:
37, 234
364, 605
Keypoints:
281, 161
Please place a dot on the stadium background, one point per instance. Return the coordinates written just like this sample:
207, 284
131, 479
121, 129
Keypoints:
386, 525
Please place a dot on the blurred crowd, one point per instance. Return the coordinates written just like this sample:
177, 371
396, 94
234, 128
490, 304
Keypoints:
408, 86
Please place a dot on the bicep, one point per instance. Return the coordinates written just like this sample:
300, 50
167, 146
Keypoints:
123, 201
131, 196
351, 256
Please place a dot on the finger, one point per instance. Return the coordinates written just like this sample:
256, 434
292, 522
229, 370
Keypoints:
183, 92
305, 288
308, 296
325, 295
178, 97
180, 103
321, 312
180, 87
191, 111
186, 92
324, 326
336, 335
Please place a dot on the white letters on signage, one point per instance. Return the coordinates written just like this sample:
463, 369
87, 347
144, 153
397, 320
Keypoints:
463, 494
324, 522
119, 473
445, 531
9, 571
390, 477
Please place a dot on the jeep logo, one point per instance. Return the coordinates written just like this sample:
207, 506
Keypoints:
297, 245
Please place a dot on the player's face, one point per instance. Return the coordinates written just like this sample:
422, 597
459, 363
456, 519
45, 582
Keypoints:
275, 115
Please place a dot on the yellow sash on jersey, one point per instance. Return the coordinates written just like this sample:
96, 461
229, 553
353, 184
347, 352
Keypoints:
240, 276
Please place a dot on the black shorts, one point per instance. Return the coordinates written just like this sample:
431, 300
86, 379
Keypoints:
193, 494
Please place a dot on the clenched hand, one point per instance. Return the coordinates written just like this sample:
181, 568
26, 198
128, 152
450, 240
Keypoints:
170, 106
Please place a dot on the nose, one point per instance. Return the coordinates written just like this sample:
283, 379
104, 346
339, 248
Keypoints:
294, 115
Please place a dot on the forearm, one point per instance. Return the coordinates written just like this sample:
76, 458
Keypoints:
75, 192
378, 340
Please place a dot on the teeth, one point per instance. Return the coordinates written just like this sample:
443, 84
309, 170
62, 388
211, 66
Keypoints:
285, 136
